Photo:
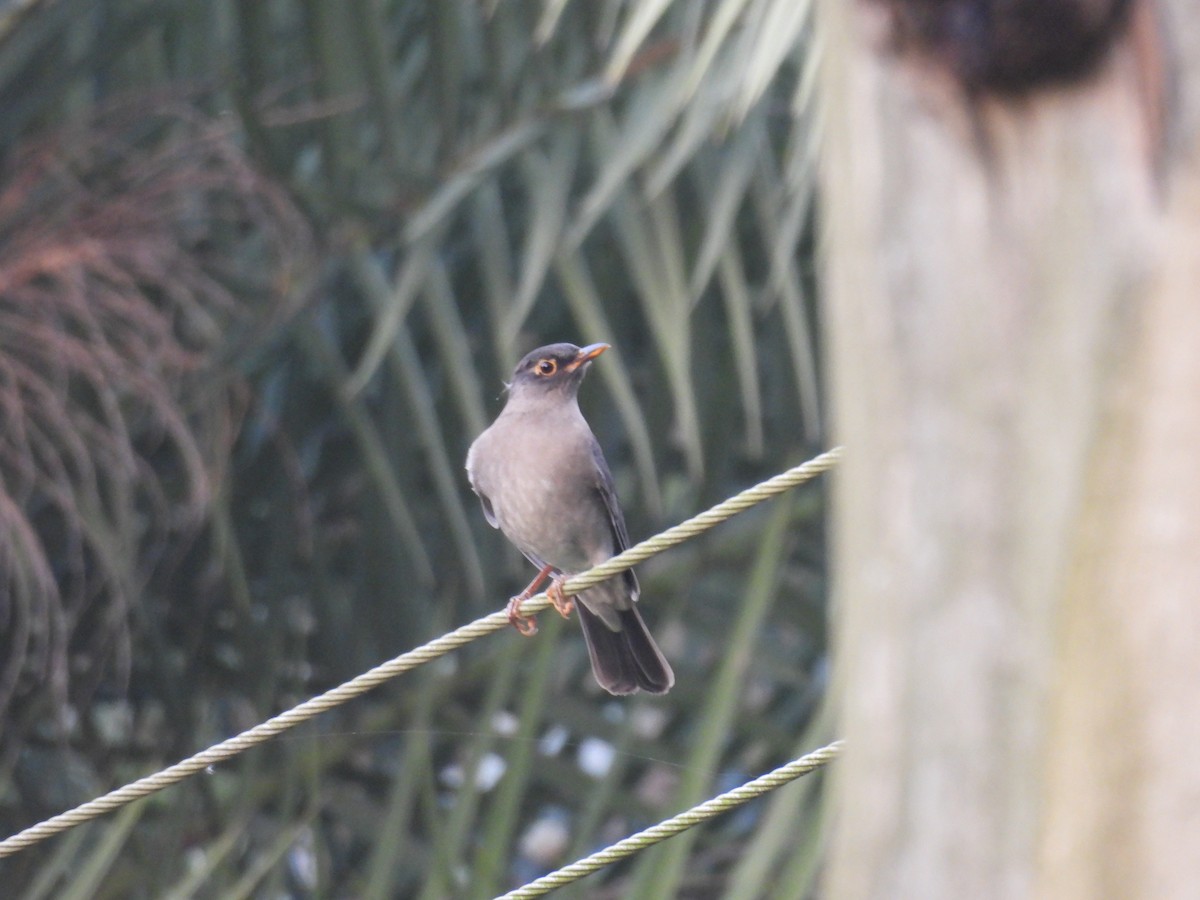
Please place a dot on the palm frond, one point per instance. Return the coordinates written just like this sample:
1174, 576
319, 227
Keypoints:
484, 178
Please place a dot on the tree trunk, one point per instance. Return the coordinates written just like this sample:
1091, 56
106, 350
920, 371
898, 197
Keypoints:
1012, 269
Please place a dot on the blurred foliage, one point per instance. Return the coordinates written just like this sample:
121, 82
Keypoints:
132, 266
238, 477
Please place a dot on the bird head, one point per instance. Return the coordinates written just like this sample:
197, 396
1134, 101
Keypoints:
556, 369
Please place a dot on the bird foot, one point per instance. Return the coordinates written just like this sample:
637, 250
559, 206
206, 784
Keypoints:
527, 625
564, 604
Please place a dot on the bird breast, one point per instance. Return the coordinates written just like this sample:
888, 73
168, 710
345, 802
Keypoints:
541, 480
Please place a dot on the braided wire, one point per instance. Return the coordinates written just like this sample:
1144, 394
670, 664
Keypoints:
701, 523
709, 809
465, 634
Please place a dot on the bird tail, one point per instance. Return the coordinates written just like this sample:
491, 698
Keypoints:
625, 660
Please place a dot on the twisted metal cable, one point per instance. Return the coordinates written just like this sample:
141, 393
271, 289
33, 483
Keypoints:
709, 809
696, 525
231, 747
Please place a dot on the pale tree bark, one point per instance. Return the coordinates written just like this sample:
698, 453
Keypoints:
1013, 313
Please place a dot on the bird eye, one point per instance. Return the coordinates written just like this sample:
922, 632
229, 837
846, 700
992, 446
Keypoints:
546, 367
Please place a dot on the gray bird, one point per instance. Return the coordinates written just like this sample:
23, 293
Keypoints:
543, 481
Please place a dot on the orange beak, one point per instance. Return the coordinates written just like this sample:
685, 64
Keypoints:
586, 354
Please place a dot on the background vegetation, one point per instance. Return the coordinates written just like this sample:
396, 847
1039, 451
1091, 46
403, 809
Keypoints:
263, 269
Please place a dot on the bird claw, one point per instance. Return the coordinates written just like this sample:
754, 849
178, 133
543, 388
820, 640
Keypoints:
561, 602
527, 625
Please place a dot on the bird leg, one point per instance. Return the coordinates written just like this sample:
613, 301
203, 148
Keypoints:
564, 604
527, 625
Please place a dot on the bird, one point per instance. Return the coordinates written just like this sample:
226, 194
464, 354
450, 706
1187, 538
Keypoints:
542, 479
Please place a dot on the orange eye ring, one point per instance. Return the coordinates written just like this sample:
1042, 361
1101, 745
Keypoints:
545, 367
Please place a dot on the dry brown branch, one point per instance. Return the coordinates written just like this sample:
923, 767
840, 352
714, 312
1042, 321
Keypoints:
138, 252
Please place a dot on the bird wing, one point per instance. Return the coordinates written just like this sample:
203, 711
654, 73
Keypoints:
484, 500
616, 519
488, 512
